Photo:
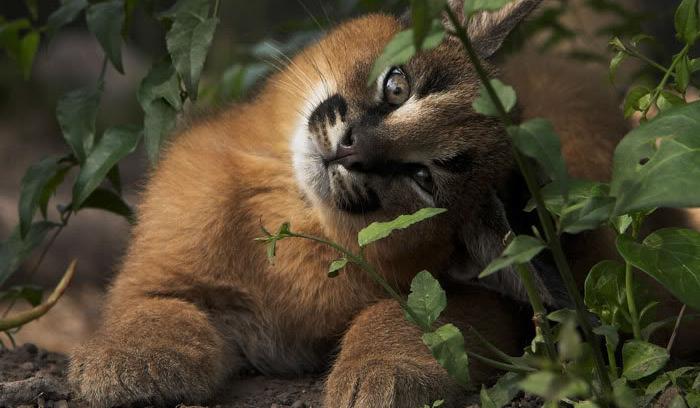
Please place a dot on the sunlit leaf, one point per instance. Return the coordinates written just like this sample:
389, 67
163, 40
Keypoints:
520, 251
641, 359
485, 105
473, 6
336, 266
447, 346
426, 300
379, 230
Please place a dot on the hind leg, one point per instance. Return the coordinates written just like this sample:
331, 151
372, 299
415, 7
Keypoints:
156, 351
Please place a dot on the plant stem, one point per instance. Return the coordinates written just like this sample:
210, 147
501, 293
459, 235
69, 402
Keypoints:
539, 312
612, 362
544, 216
629, 288
664, 80
499, 365
669, 346
634, 53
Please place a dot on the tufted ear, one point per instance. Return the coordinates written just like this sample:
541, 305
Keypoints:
488, 30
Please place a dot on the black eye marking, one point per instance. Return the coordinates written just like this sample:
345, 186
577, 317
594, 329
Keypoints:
437, 80
459, 163
326, 112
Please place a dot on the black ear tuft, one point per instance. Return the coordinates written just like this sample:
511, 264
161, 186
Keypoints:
488, 30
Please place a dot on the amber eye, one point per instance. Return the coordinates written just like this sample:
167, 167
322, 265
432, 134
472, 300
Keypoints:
397, 90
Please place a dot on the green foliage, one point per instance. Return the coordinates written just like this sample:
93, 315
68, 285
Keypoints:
504, 391
426, 300
447, 345
471, 7
380, 230
641, 359
484, 104
519, 251
77, 113
106, 20
336, 266
17, 249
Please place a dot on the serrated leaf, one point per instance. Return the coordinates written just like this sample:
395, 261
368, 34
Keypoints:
672, 257
114, 145
447, 346
32, 187
520, 251
484, 105
474, 6
426, 300
107, 200
401, 48
641, 359
77, 112
537, 140
106, 20
380, 230
336, 266
188, 40
658, 164
15, 250
27, 51
687, 21
65, 14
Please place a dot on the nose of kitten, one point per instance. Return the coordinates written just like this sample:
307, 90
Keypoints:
357, 150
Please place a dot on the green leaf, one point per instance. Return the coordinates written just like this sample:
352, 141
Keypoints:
624, 396
612, 338
659, 384
65, 14
520, 251
105, 20
585, 215
15, 250
188, 40
693, 399
677, 402
586, 404
615, 64
578, 191
336, 266
32, 294
423, 12
537, 140
605, 291
471, 7
553, 387
426, 300
401, 48
484, 105
447, 346
668, 99
114, 145
27, 52
34, 182
637, 99
50, 188
380, 230
672, 257
683, 74
103, 199
502, 393
658, 164
686, 21
33, 8
77, 112
641, 359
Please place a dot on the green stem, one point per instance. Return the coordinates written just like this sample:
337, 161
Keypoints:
499, 365
629, 289
634, 53
539, 312
612, 362
491, 347
544, 216
664, 80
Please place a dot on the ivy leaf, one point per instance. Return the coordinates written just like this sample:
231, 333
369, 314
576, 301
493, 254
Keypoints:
159, 97
401, 48
103, 199
65, 14
672, 257
687, 21
641, 359
471, 7
537, 140
15, 250
105, 20
336, 266
77, 112
426, 300
484, 105
188, 40
114, 145
380, 230
658, 164
520, 251
34, 182
447, 346
27, 52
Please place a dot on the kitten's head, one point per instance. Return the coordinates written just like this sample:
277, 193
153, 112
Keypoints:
411, 139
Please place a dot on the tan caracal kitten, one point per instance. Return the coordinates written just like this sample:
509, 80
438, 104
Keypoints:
196, 299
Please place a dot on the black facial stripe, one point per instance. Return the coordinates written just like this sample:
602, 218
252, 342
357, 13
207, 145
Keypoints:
436, 81
360, 205
460, 163
326, 111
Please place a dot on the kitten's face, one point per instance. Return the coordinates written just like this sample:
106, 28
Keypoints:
408, 141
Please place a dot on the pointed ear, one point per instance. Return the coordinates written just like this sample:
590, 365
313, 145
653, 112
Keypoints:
488, 30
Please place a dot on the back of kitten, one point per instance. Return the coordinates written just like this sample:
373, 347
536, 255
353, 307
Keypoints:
196, 298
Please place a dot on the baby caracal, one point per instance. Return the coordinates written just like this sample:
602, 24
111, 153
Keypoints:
196, 299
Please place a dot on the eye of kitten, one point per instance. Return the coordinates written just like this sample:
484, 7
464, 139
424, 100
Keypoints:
397, 90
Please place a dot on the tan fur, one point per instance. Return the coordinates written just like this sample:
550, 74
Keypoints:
196, 299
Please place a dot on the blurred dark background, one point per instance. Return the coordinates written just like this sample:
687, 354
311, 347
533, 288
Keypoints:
29, 131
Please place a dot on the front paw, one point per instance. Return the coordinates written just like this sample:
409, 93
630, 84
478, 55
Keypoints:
107, 374
389, 383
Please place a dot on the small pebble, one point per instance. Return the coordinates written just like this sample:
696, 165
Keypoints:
299, 404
